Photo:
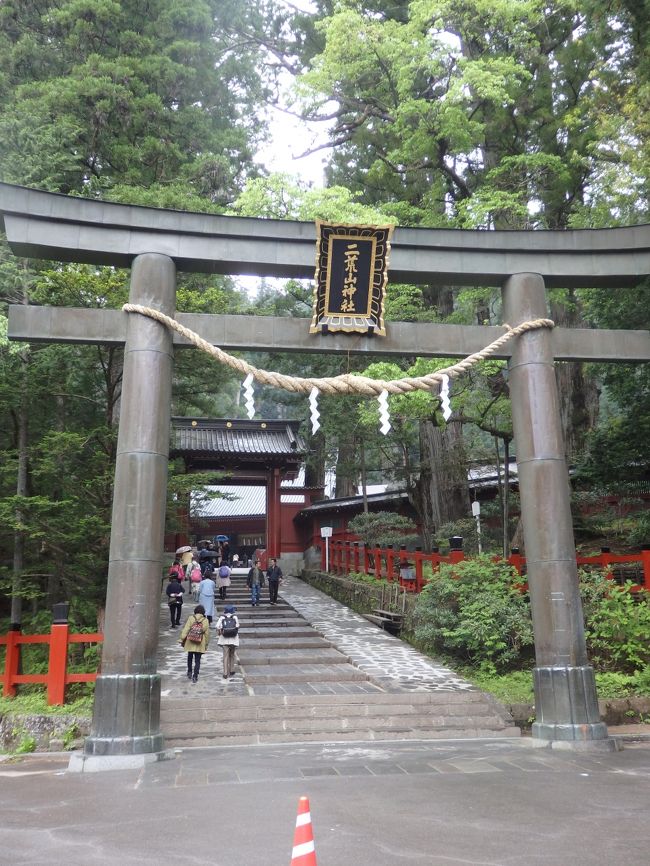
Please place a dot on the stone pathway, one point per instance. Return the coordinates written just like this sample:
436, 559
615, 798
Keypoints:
388, 661
306, 621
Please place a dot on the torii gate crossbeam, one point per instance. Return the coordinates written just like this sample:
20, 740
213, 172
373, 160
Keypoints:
157, 243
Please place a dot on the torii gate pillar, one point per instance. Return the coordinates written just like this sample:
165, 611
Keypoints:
566, 702
126, 717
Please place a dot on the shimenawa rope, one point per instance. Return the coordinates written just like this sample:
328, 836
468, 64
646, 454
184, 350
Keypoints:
347, 383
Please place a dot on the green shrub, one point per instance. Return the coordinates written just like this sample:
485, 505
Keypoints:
614, 685
617, 623
381, 528
473, 611
515, 687
642, 682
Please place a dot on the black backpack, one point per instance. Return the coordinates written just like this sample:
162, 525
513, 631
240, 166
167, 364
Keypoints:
229, 627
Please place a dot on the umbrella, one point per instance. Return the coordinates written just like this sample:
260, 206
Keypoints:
185, 549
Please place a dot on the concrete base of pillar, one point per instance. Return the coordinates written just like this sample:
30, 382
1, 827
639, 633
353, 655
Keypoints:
566, 706
610, 744
80, 763
126, 716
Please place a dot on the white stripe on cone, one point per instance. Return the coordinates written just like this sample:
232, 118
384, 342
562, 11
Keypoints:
301, 850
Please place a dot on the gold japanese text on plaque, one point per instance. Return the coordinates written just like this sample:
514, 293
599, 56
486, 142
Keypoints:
351, 278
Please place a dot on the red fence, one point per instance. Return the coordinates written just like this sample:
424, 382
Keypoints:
406, 567
57, 676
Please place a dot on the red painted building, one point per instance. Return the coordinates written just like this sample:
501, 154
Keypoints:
252, 455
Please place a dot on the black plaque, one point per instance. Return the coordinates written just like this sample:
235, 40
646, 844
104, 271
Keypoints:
351, 278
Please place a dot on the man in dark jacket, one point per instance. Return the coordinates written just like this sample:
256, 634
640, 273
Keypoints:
274, 575
255, 581
174, 599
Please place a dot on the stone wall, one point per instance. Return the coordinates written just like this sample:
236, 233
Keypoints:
29, 733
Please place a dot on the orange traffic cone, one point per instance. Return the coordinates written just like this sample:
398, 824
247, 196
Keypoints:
303, 853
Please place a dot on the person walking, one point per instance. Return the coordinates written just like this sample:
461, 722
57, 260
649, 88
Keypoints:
228, 638
274, 575
194, 577
206, 596
176, 569
223, 580
174, 592
195, 638
255, 581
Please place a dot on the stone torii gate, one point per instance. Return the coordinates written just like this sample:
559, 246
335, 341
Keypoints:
156, 243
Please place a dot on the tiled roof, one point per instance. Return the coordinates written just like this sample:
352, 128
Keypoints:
326, 505
250, 502
221, 437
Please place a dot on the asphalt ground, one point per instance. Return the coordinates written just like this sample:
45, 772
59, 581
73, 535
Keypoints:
484, 803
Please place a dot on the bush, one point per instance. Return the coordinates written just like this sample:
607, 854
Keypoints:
381, 528
617, 623
473, 611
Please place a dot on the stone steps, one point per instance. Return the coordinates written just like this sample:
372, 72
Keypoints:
287, 633
273, 643
261, 707
223, 721
301, 688
250, 657
343, 672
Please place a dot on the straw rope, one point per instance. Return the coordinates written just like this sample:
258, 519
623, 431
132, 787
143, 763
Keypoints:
347, 383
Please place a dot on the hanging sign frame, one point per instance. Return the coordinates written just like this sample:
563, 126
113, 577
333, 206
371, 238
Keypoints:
351, 277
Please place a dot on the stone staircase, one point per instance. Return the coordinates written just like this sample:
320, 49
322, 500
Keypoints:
301, 688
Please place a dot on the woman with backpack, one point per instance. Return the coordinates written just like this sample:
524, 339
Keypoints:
228, 638
194, 576
195, 638
223, 580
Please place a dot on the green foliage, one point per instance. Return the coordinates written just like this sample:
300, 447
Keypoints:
473, 611
515, 687
35, 704
617, 623
26, 742
362, 577
612, 685
381, 528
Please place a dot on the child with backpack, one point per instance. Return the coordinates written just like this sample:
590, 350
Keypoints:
228, 638
195, 637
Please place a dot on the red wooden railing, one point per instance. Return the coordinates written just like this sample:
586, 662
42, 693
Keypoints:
57, 676
385, 563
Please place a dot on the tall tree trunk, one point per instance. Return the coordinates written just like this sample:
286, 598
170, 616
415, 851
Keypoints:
441, 494
364, 492
22, 447
55, 585
506, 497
315, 465
577, 390
346, 468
